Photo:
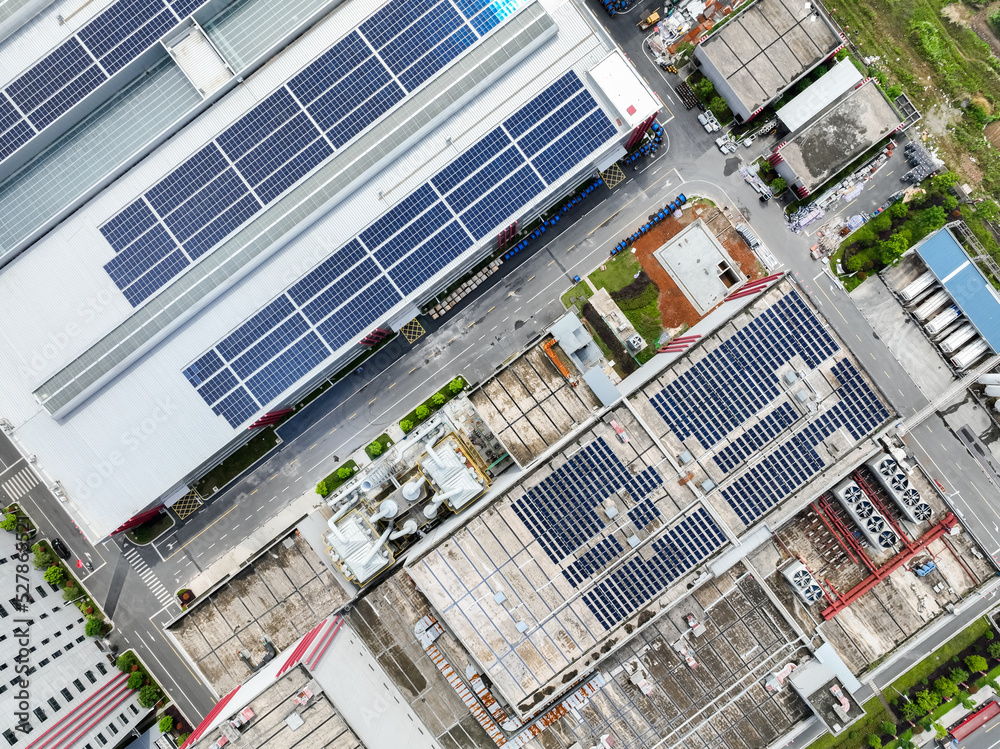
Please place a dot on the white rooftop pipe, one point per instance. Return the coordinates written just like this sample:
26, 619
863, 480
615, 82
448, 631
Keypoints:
377, 549
387, 509
411, 489
348, 504
431, 510
408, 529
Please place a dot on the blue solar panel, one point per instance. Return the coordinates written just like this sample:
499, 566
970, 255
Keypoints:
285, 369
140, 256
122, 230
263, 321
63, 100
14, 138
485, 179
574, 146
355, 317
218, 386
156, 277
138, 42
285, 177
237, 407
437, 58
380, 102
206, 365
50, 74
323, 274
258, 123
398, 216
329, 68
277, 148
557, 123
117, 22
489, 19
549, 100
421, 36
8, 114
470, 8
194, 215
340, 291
184, 8
270, 346
430, 257
478, 154
217, 229
392, 18
415, 233
336, 103
187, 179
502, 202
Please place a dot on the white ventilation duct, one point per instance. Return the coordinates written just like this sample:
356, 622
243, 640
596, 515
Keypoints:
387, 509
411, 489
408, 529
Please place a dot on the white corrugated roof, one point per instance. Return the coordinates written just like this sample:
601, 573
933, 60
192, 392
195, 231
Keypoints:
143, 432
817, 97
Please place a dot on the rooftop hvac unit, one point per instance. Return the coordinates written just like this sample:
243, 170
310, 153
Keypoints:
864, 514
897, 484
910, 292
959, 338
970, 354
942, 320
802, 582
934, 302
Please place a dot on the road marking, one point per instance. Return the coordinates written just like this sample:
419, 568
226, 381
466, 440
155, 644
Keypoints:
299, 478
352, 415
470, 325
148, 577
258, 488
550, 263
372, 400
487, 312
203, 530
857, 336
532, 279
872, 355
20, 483
412, 371
332, 431
273, 477
273, 498
391, 386
570, 247
314, 445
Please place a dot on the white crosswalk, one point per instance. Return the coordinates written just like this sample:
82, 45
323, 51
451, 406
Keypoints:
20, 483
152, 581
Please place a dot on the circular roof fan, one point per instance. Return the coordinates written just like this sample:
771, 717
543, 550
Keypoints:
922, 512
886, 539
813, 593
910, 497
802, 578
875, 524
852, 493
864, 509
899, 482
887, 467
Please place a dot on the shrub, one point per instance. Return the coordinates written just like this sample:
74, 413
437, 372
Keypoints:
888, 728
9, 522
343, 472
968, 704
126, 661
874, 742
456, 385
422, 412
994, 650
976, 663
88, 610
182, 738
927, 700
406, 425
899, 210
322, 489
94, 626
54, 575
945, 687
718, 106
704, 89
959, 675
374, 449
438, 399
69, 593
166, 724
989, 634
778, 185
149, 695
135, 680
911, 711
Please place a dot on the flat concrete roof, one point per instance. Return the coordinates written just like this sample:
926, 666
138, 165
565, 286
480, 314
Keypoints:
841, 134
696, 260
768, 46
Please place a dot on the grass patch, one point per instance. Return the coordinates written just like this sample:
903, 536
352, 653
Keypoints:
258, 446
446, 395
383, 441
857, 736
636, 296
581, 291
616, 273
332, 482
143, 534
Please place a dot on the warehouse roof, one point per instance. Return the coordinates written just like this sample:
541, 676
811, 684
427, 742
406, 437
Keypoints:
965, 282
841, 78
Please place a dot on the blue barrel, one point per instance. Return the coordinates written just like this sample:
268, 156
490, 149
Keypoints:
682, 199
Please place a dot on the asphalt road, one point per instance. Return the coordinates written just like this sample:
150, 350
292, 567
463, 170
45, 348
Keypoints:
490, 326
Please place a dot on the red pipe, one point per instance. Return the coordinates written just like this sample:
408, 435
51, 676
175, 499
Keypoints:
834, 533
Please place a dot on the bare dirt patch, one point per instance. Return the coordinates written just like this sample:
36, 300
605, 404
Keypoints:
981, 26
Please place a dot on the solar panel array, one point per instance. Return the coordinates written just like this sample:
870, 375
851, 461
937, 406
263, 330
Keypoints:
643, 514
737, 379
591, 562
291, 132
756, 437
639, 580
348, 292
67, 74
796, 461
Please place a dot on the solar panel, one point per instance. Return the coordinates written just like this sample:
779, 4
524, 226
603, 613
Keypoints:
14, 138
396, 218
187, 179
393, 18
459, 41
430, 257
480, 153
296, 168
258, 325
275, 150
421, 36
237, 407
329, 68
155, 277
214, 199
489, 175
258, 123
412, 234
50, 74
123, 229
117, 22
287, 368
484, 216
145, 252
549, 100
582, 140
63, 100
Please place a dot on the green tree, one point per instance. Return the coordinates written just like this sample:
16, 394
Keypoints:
945, 687
893, 248
456, 385
855, 263
779, 185
718, 106
927, 700
950, 203
888, 728
344, 472
406, 425
976, 663
899, 210
875, 742
994, 650
967, 703
9, 522
166, 724
182, 738
438, 399
135, 680
930, 219
911, 711
322, 489
54, 575
126, 661
422, 412
94, 626
704, 89
943, 182
959, 676
149, 695
940, 731
881, 223
374, 449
